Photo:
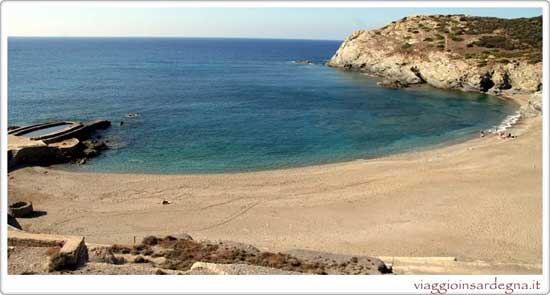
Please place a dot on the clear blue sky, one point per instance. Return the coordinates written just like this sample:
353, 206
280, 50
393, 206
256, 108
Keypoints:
295, 23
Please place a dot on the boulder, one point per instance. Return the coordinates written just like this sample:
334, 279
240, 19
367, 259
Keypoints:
534, 105
393, 84
89, 153
183, 236
303, 62
104, 255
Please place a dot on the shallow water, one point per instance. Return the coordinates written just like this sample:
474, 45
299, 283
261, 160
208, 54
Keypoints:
218, 105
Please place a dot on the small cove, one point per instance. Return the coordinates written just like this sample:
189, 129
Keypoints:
230, 105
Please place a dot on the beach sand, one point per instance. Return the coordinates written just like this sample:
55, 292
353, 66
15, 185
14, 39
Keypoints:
477, 200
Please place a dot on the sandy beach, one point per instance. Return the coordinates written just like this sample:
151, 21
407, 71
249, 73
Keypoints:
477, 200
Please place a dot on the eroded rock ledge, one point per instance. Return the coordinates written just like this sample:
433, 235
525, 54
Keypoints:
74, 143
482, 54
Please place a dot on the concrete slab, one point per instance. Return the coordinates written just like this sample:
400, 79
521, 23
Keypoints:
72, 250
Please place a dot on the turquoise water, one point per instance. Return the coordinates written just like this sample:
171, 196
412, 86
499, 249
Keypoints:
226, 105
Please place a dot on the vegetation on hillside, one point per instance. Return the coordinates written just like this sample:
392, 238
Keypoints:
486, 39
519, 33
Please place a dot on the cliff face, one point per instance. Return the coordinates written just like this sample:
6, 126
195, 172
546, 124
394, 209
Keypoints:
454, 51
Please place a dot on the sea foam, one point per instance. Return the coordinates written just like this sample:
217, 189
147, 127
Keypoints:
507, 123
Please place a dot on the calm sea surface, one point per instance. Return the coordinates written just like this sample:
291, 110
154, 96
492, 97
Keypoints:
218, 105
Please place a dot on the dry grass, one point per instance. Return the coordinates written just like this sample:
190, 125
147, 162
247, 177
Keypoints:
181, 254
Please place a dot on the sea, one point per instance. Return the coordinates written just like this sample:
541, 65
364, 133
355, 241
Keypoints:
214, 105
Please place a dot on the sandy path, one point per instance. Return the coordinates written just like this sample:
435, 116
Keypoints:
476, 200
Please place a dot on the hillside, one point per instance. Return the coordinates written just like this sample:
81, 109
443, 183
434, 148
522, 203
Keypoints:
450, 51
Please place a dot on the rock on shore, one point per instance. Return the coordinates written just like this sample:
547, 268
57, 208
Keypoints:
450, 51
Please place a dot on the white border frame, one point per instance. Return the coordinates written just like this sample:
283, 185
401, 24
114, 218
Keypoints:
93, 284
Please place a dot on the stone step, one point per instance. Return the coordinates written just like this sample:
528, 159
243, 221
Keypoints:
72, 252
451, 265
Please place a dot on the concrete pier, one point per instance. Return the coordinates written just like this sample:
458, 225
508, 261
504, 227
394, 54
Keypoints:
61, 146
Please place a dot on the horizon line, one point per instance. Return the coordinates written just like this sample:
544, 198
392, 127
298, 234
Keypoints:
177, 37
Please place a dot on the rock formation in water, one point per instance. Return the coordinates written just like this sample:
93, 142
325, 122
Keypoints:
73, 144
492, 55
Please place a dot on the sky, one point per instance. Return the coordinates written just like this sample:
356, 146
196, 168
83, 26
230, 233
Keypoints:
259, 22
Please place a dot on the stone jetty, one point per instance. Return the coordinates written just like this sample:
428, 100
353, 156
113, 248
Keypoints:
72, 143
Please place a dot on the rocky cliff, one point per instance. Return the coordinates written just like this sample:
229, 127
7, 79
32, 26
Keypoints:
450, 51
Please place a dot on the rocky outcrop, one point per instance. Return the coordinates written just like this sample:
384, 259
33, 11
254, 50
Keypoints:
74, 144
226, 257
452, 52
533, 106
393, 84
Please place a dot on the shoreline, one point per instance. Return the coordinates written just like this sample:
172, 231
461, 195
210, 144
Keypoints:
520, 99
475, 200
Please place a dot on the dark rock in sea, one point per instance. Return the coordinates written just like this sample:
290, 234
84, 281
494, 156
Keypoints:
95, 144
132, 115
88, 152
303, 62
393, 84
101, 146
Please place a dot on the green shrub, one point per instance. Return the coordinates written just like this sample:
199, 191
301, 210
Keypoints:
428, 39
457, 39
406, 46
509, 54
495, 42
535, 57
526, 31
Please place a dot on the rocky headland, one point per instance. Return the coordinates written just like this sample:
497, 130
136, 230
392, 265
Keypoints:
491, 55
